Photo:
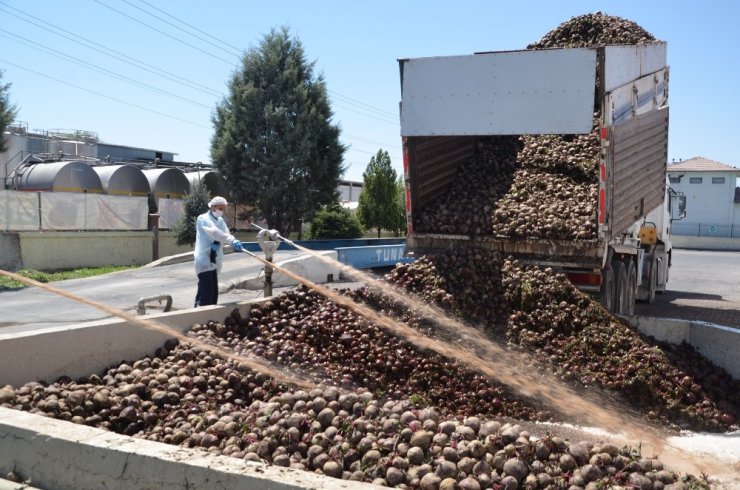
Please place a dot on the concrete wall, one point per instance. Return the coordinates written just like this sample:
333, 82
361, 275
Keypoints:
62, 456
705, 242
85, 349
10, 251
55, 250
719, 344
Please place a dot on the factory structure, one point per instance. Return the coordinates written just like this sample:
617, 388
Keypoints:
78, 161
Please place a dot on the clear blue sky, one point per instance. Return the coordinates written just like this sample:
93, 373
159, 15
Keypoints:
148, 73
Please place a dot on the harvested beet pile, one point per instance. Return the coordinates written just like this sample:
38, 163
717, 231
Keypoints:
579, 339
191, 398
548, 189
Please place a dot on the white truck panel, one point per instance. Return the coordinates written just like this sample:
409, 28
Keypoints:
637, 97
630, 62
511, 92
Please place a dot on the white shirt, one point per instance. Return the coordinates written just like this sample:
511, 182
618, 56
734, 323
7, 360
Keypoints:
208, 229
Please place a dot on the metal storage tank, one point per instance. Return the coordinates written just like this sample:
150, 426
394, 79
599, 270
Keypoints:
63, 176
166, 183
123, 180
213, 181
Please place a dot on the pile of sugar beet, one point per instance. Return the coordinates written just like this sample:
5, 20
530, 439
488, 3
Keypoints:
391, 413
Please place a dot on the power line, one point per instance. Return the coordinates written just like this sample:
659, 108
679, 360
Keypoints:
238, 50
360, 104
370, 111
75, 37
359, 138
90, 66
164, 33
104, 95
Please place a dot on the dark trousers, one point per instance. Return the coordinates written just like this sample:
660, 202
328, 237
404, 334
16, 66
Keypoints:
207, 289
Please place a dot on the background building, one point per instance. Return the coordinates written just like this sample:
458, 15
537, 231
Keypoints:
712, 197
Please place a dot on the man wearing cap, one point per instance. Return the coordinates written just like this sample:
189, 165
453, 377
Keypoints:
211, 232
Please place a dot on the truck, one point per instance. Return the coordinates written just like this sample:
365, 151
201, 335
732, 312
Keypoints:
449, 103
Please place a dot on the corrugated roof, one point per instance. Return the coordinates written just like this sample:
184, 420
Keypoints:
701, 164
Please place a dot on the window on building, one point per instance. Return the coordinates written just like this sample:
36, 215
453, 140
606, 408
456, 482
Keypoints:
718, 180
675, 180
695, 180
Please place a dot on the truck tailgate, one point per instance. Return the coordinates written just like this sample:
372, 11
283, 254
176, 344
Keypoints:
636, 160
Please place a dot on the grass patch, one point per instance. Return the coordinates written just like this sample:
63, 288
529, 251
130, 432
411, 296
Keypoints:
40, 276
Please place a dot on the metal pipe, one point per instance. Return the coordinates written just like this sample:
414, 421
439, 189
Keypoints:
141, 306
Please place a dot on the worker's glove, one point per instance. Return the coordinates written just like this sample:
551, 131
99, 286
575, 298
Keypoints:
237, 246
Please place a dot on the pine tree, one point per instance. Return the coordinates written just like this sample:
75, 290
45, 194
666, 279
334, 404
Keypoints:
274, 142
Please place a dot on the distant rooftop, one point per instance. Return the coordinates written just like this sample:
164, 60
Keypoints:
700, 164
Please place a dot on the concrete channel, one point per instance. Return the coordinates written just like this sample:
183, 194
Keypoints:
60, 455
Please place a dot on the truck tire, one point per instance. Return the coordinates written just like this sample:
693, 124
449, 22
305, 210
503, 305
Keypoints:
620, 286
607, 289
630, 287
652, 280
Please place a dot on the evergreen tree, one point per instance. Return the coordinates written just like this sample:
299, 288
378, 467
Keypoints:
378, 199
7, 113
196, 203
274, 142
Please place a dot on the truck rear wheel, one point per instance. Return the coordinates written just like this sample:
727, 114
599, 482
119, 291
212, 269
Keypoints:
652, 280
620, 287
630, 287
607, 289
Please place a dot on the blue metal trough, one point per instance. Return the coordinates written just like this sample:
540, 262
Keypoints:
374, 256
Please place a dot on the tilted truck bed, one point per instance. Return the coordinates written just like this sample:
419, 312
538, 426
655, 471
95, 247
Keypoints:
448, 103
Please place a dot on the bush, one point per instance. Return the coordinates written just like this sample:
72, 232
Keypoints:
335, 222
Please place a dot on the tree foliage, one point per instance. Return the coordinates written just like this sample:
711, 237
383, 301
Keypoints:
334, 221
400, 221
7, 112
378, 203
196, 203
274, 142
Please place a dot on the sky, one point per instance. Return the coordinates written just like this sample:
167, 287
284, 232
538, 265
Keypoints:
149, 73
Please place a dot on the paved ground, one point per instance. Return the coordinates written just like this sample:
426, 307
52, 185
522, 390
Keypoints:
34, 308
703, 286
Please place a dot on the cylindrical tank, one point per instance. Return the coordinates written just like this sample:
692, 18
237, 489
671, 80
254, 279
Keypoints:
123, 180
213, 181
166, 183
64, 176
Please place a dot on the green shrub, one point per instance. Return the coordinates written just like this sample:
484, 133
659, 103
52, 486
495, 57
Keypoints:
335, 221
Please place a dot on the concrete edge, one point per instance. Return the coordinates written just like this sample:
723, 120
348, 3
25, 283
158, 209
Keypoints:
84, 349
718, 343
80, 457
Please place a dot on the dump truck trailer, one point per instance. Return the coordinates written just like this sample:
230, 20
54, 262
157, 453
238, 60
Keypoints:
448, 104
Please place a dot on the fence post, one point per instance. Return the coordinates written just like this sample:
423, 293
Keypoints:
154, 227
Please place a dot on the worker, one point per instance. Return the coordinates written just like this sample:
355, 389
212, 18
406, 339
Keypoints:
211, 233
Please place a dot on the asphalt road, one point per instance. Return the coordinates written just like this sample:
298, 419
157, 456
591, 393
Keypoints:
34, 308
702, 286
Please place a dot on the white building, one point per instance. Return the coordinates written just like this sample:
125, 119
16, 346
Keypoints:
349, 193
712, 197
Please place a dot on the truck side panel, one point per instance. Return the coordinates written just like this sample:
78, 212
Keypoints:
636, 159
630, 62
509, 92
